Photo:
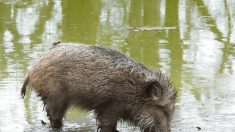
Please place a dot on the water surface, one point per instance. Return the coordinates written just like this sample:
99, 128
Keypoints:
192, 41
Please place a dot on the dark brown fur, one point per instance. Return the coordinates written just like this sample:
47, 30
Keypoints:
103, 80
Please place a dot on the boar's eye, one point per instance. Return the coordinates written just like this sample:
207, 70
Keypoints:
153, 90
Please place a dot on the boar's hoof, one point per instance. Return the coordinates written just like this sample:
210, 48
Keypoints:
106, 129
56, 124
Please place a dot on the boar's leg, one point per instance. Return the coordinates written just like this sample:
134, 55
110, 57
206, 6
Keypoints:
106, 125
107, 129
107, 117
56, 108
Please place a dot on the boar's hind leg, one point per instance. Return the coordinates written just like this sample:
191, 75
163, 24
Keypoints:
56, 108
107, 118
107, 125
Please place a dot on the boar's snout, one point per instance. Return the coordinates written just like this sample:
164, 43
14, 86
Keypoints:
154, 121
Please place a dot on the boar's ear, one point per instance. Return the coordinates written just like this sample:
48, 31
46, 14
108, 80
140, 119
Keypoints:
153, 90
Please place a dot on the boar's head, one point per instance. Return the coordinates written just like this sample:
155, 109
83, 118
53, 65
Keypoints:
157, 108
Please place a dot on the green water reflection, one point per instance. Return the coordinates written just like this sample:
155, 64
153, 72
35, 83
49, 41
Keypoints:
192, 41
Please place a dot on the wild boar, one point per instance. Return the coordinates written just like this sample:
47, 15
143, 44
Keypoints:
104, 80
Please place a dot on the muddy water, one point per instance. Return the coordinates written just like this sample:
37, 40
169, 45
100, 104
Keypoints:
193, 41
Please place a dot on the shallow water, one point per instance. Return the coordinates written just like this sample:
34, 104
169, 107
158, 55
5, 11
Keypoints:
193, 41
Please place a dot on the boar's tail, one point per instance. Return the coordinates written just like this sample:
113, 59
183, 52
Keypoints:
23, 89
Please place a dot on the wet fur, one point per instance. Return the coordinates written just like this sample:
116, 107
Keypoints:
103, 80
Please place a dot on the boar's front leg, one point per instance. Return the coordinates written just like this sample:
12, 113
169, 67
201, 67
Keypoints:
107, 128
107, 117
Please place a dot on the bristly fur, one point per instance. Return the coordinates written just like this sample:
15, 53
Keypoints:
104, 80
169, 92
